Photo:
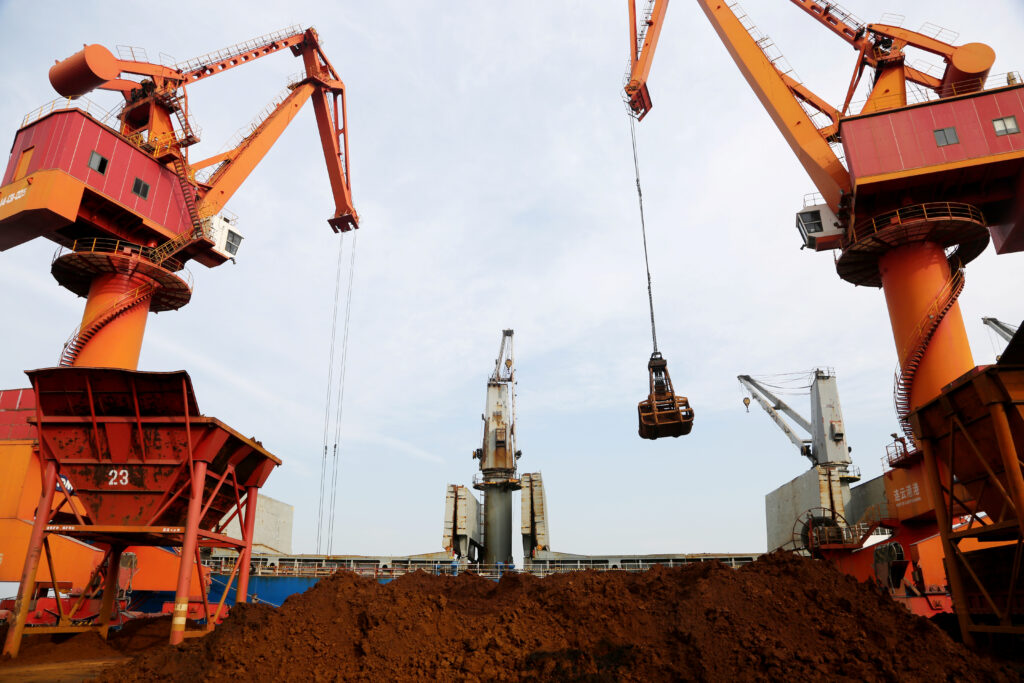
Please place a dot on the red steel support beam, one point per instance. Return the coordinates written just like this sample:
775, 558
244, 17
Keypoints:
110, 588
28, 574
1010, 460
933, 483
188, 549
251, 495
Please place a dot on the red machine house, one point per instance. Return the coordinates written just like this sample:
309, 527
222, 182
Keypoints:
971, 146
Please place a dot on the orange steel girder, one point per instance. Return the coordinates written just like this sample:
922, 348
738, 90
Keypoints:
782, 103
641, 57
327, 91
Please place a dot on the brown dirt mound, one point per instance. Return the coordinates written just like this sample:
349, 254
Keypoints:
781, 617
135, 637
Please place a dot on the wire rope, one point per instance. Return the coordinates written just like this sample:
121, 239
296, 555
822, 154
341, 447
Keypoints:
643, 230
340, 403
330, 390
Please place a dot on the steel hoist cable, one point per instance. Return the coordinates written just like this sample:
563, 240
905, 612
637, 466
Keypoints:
330, 392
643, 230
340, 402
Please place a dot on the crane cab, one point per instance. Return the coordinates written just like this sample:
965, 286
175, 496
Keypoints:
223, 231
818, 225
663, 413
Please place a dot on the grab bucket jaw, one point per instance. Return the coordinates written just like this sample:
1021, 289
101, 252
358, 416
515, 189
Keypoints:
663, 413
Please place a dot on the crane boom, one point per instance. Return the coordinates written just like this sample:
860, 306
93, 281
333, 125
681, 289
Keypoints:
1004, 330
779, 99
642, 55
803, 445
214, 63
836, 19
239, 162
777, 403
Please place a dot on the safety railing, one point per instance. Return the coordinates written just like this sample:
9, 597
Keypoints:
496, 476
326, 567
852, 535
897, 453
876, 514
923, 95
849, 472
939, 33
237, 49
85, 332
156, 145
131, 53
920, 337
813, 199
915, 214
61, 103
643, 23
243, 136
109, 245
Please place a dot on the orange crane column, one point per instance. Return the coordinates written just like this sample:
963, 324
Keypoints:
913, 276
116, 343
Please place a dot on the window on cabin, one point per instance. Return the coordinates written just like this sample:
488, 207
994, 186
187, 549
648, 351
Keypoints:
234, 241
946, 136
98, 162
140, 188
1006, 125
810, 222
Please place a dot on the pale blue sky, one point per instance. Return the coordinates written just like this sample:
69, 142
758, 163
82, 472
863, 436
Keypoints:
491, 167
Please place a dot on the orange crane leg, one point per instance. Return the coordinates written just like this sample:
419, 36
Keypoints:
117, 343
912, 278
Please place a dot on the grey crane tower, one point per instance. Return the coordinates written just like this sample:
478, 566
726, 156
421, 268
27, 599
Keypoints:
824, 490
498, 456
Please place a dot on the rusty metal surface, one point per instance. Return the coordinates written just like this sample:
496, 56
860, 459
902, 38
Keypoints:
973, 435
125, 441
663, 413
959, 425
76, 271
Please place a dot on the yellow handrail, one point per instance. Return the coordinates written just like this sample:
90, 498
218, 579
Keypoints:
918, 212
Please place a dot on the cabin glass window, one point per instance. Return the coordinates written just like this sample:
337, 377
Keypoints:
810, 221
140, 188
946, 136
233, 242
98, 162
1006, 125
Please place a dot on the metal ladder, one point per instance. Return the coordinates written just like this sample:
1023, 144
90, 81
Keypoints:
81, 336
909, 365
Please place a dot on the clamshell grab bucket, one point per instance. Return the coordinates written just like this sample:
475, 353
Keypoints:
663, 413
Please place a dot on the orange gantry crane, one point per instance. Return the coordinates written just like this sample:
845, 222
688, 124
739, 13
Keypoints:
126, 457
912, 184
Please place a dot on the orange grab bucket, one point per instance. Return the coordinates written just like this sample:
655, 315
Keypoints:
663, 413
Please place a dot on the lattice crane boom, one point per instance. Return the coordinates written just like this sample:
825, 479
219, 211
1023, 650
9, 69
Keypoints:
151, 103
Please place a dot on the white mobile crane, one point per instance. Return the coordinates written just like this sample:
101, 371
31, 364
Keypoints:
823, 492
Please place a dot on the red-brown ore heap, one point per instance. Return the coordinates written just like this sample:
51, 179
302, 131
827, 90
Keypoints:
782, 617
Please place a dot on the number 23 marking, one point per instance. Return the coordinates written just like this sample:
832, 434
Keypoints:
118, 477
